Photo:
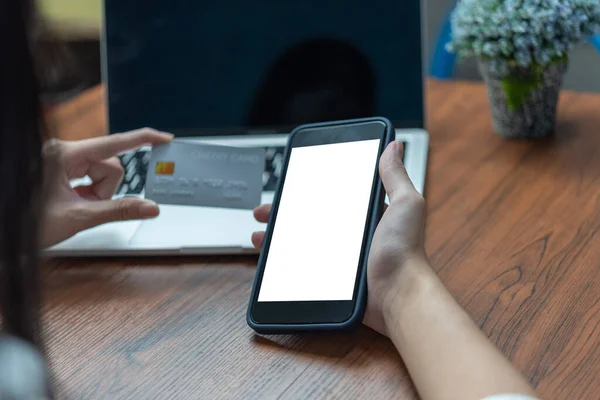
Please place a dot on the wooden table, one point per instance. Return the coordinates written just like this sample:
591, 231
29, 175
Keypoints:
513, 231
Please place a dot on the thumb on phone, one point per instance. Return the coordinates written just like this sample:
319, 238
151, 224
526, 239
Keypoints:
395, 179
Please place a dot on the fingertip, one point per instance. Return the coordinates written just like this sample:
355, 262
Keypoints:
162, 137
156, 136
392, 171
148, 209
395, 150
393, 154
257, 239
399, 149
167, 136
258, 209
261, 213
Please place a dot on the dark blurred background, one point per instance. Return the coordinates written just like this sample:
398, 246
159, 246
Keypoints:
73, 38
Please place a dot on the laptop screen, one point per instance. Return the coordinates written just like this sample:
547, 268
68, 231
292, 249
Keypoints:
236, 66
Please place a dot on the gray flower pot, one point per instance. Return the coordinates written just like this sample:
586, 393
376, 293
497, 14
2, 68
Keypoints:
531, 113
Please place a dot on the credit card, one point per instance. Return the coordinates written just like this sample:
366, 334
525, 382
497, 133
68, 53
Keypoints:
191, 174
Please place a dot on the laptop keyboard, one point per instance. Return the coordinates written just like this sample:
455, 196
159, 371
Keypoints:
135, 165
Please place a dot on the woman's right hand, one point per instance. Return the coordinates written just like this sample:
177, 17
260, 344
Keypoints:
439, 343
397, 245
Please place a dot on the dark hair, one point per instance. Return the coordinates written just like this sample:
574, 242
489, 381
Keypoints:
21, 173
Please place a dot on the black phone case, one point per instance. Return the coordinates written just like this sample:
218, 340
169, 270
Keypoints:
357, 315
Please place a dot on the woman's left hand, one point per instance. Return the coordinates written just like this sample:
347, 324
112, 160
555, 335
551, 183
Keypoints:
71, 210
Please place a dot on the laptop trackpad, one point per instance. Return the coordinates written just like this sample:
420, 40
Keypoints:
193, 227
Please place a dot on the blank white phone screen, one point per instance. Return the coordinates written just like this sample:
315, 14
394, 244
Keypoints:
317, 238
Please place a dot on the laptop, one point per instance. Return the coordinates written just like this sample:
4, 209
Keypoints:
241, 73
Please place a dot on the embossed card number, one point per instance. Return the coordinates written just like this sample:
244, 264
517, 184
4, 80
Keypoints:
205, 175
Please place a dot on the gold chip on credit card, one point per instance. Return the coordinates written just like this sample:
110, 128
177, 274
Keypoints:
165, 168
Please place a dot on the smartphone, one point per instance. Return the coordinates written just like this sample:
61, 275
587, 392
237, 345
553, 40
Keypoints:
312, 270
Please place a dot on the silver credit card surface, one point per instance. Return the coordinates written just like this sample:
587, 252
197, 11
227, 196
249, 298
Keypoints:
183, 173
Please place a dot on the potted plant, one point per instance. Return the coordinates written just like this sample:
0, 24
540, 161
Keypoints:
522, 49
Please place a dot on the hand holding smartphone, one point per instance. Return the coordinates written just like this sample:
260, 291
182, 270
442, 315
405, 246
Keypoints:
311, 274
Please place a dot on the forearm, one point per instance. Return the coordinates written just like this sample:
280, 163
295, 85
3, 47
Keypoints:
447, 355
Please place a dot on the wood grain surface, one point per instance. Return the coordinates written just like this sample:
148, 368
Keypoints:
513, 230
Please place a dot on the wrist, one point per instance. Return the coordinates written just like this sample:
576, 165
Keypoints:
414, 279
